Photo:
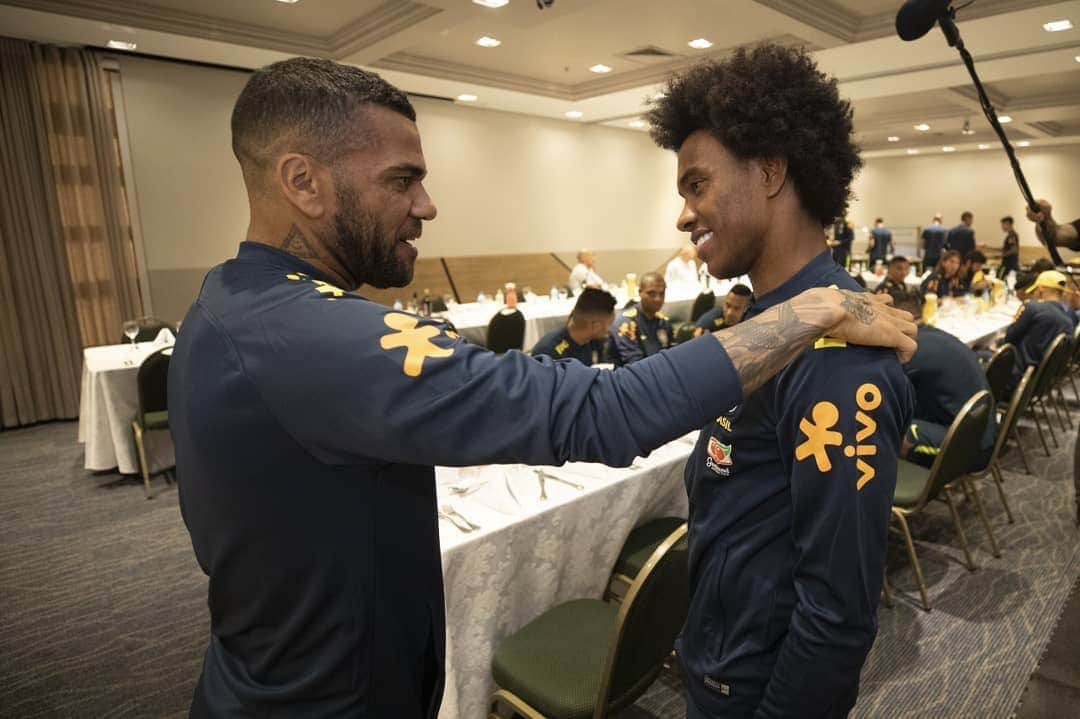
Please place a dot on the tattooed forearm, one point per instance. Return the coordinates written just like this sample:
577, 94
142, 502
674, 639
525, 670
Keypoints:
295, 243
762, 346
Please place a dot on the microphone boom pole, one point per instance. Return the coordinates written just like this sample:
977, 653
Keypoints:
947, 20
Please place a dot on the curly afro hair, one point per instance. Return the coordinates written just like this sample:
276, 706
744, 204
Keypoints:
768, 101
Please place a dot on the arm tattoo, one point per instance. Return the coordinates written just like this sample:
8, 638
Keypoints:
761, 347
858, 308
295, 243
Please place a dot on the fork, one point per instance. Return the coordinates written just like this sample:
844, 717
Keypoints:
449, 510
543, 482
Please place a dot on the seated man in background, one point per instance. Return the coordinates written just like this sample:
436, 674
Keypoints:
682, 270
945, 280
728, 314
971, 275
1038, 322
584, 273
894, 284
643, 330
945, 374
583, 336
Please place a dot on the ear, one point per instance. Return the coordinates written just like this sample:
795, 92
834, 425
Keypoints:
304, 183
773, 174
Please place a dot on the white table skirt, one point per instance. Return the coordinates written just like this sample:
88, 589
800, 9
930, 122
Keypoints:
108, 404
517, 567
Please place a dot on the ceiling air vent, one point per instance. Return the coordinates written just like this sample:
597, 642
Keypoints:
649, 55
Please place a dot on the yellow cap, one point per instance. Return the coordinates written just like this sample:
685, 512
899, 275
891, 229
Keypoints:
1050, 278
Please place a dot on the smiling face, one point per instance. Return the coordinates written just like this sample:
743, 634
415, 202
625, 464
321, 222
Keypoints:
724, 209
380, 201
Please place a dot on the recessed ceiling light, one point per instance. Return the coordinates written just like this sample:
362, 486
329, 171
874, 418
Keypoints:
1077, 58
1004, 119
485, 3
1023, 143
289, 2
700, 44
912, 152
486, 41
120, 45
637, 123
894, 138
983, 146
466, 98
1057, 25
600, 68
922, 127
948, 148
575, 114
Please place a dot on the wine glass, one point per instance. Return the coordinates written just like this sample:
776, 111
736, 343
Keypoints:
131, 331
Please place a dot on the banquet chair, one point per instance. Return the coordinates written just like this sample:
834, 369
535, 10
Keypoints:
588, 658
153, 411
1020, 398
916, 486
999, 370
702, 304
1046, 374
635, 552
506, 331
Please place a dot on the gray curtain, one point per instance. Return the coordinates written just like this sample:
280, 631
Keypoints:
40, 348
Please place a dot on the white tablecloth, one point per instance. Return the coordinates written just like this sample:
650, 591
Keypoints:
972, 327
542, 315
109, 402
500, 578
872, 281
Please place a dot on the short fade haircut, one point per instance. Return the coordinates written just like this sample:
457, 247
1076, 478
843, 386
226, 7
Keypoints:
593, 302
650, 277
897, 259
966, 215
740, 290
768, 101
910, 302
305, 105
879, 220
976, 256
1007, 218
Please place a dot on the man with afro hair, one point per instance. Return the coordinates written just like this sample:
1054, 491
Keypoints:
790, 492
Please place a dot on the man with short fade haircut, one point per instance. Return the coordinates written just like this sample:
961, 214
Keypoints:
584, 273
643, 330
728, 314
1038, 321
307, 419
962, 237
933, 239
583, 337
790, 493
1010, 247
895, 285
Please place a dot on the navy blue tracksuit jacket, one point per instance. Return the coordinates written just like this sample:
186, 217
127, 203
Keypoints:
790, 498
307, 421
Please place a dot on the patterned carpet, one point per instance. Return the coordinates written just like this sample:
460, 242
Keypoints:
103, 608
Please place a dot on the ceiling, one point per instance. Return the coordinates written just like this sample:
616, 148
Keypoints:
542, 66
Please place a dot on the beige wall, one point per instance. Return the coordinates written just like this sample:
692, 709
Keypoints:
503, 183
908, 191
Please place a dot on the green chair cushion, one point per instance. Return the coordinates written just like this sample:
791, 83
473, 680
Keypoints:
642, 542
910, 481
156, 420
555, 662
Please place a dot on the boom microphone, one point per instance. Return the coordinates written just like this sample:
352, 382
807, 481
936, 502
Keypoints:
917, 17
